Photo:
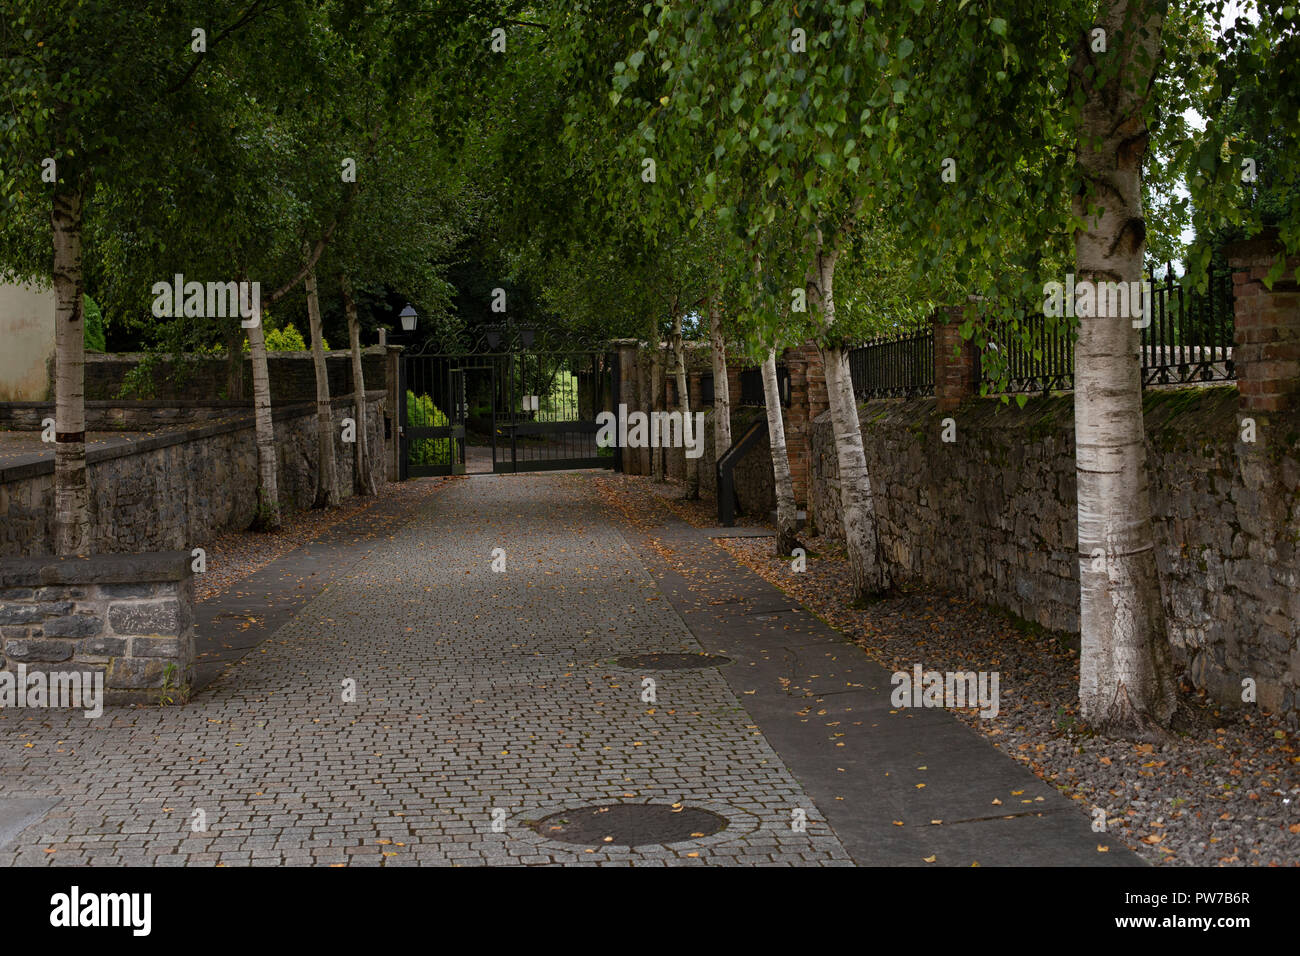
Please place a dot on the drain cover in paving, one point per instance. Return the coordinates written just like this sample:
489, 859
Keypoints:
630, 824
671, 662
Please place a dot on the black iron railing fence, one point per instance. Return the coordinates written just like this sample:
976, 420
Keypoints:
1189, 339
1038, 357
894, 366
1191, 334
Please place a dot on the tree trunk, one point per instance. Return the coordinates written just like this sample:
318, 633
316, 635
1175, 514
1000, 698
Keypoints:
656, 405
721, 391
861, 537
327, 473
268, 492
691, 466
364, 483
71, 493
1126, 676
787, 514
234, 337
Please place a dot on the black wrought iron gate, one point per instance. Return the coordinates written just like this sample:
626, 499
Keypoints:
505, 406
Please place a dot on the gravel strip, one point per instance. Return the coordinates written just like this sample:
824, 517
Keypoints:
1226, 795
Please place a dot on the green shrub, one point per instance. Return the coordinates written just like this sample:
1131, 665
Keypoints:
94, 325
287, 339
422, 413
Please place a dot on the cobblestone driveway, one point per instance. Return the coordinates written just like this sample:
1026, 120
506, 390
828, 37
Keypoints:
476, 692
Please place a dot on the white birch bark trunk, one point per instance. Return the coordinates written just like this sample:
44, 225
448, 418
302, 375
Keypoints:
268, 492
691, 466
861, 536
71, 492
787, 514
327, 474
721, 391
1126, 679
364, 483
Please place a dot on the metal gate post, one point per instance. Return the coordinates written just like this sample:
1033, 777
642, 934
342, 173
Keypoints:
402, 463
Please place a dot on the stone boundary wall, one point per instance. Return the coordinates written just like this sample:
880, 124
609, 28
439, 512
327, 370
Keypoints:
119, 415
124, 622
993, 517
173, 490
203, 377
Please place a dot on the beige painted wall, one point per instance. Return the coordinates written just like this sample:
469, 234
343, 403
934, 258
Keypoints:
26, 343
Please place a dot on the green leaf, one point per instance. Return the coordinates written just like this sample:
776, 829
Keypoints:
998, 26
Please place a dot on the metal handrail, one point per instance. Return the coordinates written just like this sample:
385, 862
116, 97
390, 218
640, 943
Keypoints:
728, 504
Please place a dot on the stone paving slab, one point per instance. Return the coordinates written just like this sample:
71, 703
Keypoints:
880, 775
233, 622
476, 692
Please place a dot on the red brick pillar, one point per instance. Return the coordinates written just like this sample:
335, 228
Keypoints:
734, 365
807, 401
1266, 352
956, 365
697, 392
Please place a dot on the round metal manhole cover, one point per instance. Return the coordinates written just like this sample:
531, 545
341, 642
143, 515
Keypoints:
630, 824
671, 662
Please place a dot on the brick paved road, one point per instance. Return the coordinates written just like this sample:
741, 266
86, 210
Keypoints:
476, 691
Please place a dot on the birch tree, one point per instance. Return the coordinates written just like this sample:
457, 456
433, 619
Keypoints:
267, 515
93, 94
691, 465
364, 479
721, 387
327, 483
742, 77
71, 495
787, 517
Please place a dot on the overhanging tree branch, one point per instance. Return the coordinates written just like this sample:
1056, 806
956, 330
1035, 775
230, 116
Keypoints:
198, 61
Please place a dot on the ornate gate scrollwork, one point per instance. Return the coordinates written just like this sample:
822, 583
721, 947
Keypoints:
497, 338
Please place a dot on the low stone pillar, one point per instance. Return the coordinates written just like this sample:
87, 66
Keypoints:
1266, 348
956, 363
121, 622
